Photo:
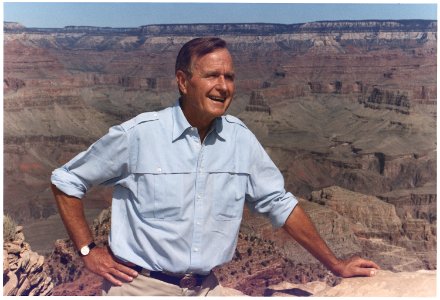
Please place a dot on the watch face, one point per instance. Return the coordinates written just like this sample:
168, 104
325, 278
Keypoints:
85, 250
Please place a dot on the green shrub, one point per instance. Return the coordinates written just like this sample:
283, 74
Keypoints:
9, 226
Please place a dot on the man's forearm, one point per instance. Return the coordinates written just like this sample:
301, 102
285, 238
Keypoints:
71, 210
301, 228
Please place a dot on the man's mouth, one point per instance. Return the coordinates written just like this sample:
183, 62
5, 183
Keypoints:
217, 99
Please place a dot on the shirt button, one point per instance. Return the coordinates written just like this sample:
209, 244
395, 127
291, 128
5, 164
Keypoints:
159, 169
196, 249
198, 223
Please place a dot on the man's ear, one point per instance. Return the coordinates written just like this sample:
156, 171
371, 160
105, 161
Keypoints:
181, 79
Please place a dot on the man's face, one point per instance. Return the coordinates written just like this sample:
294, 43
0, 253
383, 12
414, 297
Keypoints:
208, 93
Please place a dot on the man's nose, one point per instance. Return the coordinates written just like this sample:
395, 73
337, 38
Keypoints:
221, 83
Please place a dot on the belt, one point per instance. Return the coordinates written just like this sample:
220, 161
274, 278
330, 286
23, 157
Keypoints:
189, 280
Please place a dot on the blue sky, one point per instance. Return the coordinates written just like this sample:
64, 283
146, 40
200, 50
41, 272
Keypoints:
114, 14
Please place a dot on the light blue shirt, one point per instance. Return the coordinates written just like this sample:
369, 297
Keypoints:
177, 202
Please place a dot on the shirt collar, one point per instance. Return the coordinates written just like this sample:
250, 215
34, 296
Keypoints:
218, 128
181, 124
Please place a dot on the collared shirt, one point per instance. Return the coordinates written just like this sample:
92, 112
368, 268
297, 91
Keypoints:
178, 202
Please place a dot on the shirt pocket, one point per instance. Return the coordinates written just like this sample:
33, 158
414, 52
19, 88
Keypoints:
160, 195
228, 194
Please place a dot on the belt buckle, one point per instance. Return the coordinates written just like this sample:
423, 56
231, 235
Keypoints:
188, 281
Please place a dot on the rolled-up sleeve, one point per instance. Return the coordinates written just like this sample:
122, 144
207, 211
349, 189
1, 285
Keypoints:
103, 162
265, 191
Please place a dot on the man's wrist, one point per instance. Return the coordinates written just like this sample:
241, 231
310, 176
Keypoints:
85, 250
335, 266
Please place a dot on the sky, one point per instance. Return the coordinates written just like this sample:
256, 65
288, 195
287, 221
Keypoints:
119, 14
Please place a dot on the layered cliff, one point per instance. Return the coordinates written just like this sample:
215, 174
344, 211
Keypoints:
356, 224
245, 28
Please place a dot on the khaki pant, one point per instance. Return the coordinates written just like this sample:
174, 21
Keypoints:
146, 286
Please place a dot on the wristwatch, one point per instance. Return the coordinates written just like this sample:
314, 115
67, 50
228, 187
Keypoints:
86, 249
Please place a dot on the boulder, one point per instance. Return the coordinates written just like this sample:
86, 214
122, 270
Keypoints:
385, 284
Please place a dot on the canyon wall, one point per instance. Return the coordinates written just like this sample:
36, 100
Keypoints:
348, 103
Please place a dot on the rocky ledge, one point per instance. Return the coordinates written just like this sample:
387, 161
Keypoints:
385, 284
23, 269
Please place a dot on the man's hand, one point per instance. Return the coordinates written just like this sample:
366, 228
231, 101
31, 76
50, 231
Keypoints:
102, 262
355, 266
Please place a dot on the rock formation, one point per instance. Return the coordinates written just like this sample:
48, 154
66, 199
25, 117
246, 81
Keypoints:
398, 244
372, 217
384, 284
23, 269
356, 224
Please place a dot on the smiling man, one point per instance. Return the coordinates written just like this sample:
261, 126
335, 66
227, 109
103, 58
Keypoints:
206, 85
181, 177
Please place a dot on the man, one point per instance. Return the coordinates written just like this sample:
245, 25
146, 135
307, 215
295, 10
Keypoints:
181, 178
